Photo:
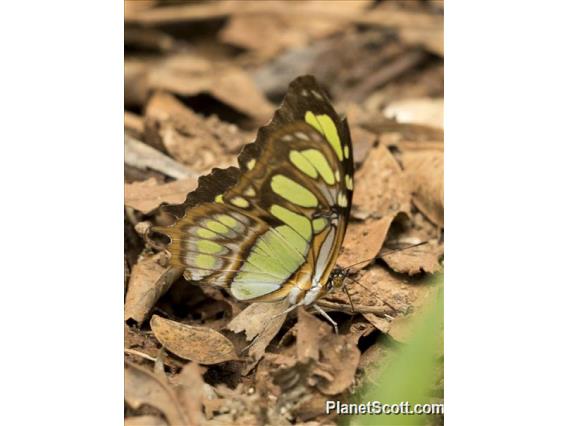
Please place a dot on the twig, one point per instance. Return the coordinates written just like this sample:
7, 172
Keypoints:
140, 354
140, 155
362, 309
388, 72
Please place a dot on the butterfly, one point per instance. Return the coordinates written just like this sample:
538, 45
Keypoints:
271, 229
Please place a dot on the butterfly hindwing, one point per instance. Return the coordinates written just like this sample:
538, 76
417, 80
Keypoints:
278, 222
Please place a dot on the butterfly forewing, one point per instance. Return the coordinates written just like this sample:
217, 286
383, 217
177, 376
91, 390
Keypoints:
279, 222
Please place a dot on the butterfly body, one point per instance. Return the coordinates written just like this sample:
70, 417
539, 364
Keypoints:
272, 228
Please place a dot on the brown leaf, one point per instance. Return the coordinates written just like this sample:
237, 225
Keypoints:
381, 324
425, 172
135, 81
145, 421
190, 392
381, 284
133, 124
426, 111
363, 242
262, 320
363, 141
380, 187
144, 387
412, 261
200, 344
190, 75
148, 195
339, 358
310, 332
283, 25
189, 138
414, 27
149, 280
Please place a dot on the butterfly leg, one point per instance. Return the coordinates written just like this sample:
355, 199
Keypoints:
327, 317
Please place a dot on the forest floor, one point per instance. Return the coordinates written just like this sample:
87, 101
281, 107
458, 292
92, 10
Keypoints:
200, 78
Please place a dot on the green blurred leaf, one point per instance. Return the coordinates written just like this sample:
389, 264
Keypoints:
412, 371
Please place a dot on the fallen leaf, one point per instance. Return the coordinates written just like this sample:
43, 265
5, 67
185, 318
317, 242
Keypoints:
425, 172
381, 324
145, 421
283, 25
363, 141
200, 344
426, 111
133, 8
190, 392
133, 124
259, 319
415, 28
144, 387
363, 241
149, 280
190, 75
380, 187
310, 332
380, 285
184, 12
415, 260
135, 81
139, 344
147, 196
339, 358
198, 142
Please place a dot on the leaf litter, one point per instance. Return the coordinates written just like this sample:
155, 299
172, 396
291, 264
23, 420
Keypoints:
195, 355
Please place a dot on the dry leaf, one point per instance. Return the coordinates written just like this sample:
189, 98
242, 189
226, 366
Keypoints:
190, 75
198, 142
380, 187
363, 141
425, 172
426, 111
133, 8
148, 195
200, 344
339, 359
143, 387
149, 280
135, 81
310, 332
363, 241
190, 391
262, 320
184, 12
283, 25
415, 260
381, 324
133, 124
414, 27
145, 421
382, 285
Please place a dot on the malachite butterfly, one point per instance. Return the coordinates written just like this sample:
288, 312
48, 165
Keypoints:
272, 228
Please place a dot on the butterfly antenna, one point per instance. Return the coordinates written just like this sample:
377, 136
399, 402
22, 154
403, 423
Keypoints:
387, 253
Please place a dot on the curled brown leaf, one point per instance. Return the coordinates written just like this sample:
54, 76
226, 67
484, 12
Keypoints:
149, 280
200, 344
425, 173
